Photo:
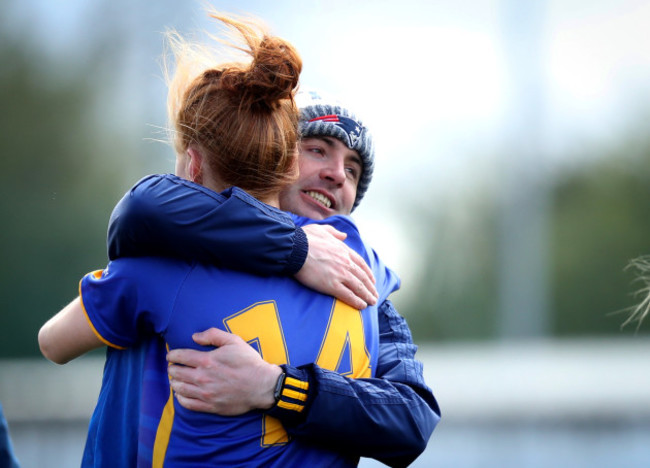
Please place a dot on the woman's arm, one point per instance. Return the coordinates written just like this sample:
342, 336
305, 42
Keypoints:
164, 215
68, 334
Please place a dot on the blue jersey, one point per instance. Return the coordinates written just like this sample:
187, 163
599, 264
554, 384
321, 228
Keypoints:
118, 409
168, 216
285, 322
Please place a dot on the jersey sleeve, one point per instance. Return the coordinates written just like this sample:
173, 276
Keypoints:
389, 418
128, 299
169, 216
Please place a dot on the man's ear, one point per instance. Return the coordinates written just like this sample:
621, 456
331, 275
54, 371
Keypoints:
194, 168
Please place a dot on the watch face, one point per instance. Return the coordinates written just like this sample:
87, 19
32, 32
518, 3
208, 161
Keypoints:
277, 393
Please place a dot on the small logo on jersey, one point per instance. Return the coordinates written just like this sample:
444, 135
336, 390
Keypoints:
351, 128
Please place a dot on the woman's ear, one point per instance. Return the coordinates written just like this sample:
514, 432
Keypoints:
194, 165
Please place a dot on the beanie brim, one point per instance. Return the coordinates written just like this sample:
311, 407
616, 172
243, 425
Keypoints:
319, 118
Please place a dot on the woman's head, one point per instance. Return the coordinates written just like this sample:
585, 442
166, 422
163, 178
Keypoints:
236, 123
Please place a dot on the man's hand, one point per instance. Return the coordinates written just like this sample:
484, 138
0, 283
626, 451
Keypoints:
335, 269
230, 380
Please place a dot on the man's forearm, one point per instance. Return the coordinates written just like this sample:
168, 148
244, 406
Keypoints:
376, 418
389, 417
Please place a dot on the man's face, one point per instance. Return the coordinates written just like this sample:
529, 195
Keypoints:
327, 184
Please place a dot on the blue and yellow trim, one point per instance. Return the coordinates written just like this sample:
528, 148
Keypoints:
97, 274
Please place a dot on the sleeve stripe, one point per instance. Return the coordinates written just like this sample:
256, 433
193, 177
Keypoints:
299, 384
291, 406
96, 274
287, 392
295, 398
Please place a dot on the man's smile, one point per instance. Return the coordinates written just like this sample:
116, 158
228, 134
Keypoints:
319, 197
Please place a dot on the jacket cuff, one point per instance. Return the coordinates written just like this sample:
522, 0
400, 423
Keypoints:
298, 254
294, 398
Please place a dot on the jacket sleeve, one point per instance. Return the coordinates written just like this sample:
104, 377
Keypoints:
389, 418
167, 215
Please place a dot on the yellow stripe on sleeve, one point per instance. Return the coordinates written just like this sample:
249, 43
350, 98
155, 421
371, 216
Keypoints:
296, 383
290, 406
287, 392
97, 274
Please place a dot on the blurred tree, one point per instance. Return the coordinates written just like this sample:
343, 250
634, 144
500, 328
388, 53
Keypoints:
57, 193
600, 220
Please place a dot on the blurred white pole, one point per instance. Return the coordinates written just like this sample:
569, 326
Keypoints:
523, 223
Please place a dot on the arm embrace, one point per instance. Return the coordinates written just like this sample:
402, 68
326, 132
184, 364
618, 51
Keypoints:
389, 417
170, 216
167, 215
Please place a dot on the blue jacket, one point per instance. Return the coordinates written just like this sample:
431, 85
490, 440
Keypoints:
389, 417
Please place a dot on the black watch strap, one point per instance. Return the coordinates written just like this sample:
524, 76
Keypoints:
277, 393
292, 396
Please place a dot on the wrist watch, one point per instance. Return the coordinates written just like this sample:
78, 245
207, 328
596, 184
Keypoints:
277, 393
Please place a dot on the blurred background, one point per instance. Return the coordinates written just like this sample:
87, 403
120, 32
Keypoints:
511, 191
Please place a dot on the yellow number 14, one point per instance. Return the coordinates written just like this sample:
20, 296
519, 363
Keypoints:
344, 336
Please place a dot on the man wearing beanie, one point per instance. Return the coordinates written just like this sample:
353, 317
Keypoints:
321, 118
389, 417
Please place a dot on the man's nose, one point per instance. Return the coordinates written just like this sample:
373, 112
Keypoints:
335, 172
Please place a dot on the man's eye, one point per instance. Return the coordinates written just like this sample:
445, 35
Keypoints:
353, 171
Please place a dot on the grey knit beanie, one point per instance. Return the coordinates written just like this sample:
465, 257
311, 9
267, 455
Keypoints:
321, 116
